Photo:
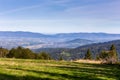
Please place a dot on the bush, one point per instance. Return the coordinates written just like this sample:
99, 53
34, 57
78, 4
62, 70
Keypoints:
21, 53
44, 56
3, 52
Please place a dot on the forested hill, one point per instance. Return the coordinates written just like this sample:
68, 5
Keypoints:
79, 52
96, 48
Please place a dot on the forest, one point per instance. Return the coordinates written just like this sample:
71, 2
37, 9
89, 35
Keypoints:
108, 51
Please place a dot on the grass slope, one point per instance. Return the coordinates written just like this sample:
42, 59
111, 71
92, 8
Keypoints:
20, 69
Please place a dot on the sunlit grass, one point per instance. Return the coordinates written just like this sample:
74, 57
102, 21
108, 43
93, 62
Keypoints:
88, 61
26, 69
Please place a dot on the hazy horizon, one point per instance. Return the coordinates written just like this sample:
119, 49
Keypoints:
60, 16
61, 32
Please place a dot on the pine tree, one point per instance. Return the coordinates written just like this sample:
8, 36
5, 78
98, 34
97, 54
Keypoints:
113, 54
112, 47
88, 55
109, 57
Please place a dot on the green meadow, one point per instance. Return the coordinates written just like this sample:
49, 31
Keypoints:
28, 69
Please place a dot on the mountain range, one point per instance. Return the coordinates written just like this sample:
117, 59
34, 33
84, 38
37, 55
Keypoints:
9, 39
89, 36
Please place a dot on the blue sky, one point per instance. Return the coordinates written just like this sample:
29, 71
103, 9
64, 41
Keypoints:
60, 16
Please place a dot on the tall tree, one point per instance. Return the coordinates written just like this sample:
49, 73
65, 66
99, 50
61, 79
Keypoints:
110, 56
113, 54
88, 55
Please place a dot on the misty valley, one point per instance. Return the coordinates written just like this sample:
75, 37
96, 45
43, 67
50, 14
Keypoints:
36, 40
71, 46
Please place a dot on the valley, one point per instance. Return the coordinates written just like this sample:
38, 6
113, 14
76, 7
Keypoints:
64, 40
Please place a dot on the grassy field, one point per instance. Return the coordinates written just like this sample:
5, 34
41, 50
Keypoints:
20, 69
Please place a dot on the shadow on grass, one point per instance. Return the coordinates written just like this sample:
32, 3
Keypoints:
59, 75
13, 77
109, 71
78, 73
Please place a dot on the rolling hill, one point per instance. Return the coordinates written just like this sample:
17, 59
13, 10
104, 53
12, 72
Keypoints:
32, 40
79, 52
70, 36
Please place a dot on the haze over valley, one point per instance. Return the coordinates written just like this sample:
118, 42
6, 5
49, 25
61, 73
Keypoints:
62, 40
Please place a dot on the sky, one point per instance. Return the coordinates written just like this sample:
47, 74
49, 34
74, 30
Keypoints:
60, 16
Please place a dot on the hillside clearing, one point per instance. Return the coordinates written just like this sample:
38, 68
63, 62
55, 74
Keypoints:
26, 69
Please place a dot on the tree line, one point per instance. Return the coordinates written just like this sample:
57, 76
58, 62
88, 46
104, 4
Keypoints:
109, 57
23, 53
106, 56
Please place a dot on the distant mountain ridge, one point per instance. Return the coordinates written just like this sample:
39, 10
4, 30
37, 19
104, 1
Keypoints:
88, 36
21, 34
9, 39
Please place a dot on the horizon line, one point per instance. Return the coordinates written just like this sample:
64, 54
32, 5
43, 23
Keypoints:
61, 32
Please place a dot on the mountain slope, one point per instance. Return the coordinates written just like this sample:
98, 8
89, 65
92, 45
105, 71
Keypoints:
95, 48
79, 52
79, 41
76, 42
